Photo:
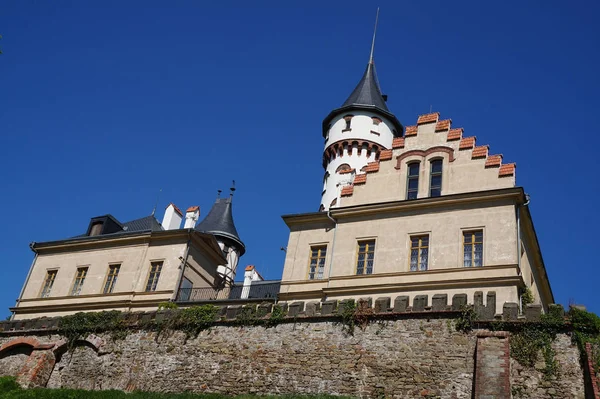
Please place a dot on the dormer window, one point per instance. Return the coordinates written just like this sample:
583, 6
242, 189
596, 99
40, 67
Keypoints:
96, 229
348, 119
412, 183
435, 184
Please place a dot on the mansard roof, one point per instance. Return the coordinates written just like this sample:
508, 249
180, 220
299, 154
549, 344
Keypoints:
219, 222
366, 96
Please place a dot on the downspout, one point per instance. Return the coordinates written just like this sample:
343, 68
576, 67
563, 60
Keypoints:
32, 247
182, 267
332, 248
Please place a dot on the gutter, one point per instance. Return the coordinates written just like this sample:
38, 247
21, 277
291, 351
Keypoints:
32, 246
332, 248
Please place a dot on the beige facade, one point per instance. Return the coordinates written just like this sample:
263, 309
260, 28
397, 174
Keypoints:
478, 196
182, 253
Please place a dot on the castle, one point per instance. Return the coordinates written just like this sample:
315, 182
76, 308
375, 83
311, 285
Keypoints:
414, 210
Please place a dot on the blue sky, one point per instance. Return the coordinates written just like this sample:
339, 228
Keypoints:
103, 103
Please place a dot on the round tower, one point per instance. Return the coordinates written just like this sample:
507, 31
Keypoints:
355, 134
219, 223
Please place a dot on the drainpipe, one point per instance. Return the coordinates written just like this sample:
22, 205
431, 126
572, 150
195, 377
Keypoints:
32, 246
332, 247
182, 267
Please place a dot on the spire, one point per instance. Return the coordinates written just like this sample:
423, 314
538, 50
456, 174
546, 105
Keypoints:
374, 32
219, 222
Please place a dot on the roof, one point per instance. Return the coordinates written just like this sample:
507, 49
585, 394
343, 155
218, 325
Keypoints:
366, 96
367, 91
219, 222
143, 224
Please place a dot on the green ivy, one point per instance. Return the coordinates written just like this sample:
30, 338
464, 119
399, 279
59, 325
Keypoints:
527, 297
465, 320
167, 306
79, 325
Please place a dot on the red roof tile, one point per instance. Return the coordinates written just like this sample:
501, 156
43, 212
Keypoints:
249, 267
398, 142
410, 131
493, 161
193, 209
480, 151
455, 134
176, 209
360, 179
343, 172
428, 118
347, 191
443, 125
385, 155
467, 143
372, 167
507, 170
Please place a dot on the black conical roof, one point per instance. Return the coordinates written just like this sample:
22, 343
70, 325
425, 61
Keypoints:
367, 91
366, 96
219, 222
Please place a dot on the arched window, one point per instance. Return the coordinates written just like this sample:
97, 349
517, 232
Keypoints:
412, 185
435, 182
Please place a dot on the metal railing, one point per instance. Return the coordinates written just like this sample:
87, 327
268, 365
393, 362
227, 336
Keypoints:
258, 290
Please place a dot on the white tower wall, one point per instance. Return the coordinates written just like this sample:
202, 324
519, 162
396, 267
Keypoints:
366, 135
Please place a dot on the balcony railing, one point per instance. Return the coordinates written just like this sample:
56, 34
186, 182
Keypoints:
257, 290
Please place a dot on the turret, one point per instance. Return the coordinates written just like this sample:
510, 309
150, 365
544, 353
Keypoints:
355, 134
219, 223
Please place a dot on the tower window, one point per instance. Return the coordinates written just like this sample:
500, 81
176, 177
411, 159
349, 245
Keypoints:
435, 184
79, 279
348, 119
419, 253
155, 269
412, 181
317, 262
376, 120
365, 257
473, 248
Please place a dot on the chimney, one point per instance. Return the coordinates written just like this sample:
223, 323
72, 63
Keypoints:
191, 217
172, 218
250, 275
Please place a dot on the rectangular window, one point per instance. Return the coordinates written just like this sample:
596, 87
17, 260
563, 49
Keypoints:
435, 185
412, 183
419, 253
473, 248
48, 283
155, 269
111, 278
79, 279
365, 257
317, 262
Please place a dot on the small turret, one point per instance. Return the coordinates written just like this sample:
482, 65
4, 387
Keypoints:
219, 223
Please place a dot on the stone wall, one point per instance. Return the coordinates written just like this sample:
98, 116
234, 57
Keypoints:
402, 352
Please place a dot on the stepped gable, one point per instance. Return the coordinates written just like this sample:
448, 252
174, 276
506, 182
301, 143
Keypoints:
442, 126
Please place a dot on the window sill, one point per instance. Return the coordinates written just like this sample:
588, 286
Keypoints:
346, 130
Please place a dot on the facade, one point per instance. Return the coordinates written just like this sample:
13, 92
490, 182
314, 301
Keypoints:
421, 210
132, 266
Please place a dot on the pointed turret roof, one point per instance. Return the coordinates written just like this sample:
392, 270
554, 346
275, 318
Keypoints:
219, 222
366, 96
367, 91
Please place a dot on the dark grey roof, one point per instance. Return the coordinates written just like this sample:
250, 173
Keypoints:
143, 224
367, 91
219, 222
366, 96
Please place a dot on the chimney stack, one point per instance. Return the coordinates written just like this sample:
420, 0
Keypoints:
172, 218
191, 217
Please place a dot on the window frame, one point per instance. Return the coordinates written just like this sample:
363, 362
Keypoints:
319, 248
419, 248
433, 174
366, 241
80, 274
113, 278
148, 287
409, 177
472, 232
49, 272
